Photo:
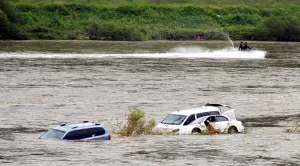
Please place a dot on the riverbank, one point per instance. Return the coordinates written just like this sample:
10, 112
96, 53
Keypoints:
146, 21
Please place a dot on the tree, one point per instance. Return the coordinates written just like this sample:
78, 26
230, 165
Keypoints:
9, 22
282, 28
3, 24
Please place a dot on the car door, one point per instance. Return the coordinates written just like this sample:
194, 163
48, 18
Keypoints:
220, 123
230, 114
190, 119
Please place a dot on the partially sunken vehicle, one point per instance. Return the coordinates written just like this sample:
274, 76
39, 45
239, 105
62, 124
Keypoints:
179, 120
78, 131
217, 123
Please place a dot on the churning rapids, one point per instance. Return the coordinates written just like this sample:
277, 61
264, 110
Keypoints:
46, 83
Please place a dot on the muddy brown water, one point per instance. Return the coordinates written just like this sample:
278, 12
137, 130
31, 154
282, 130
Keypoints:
46, 83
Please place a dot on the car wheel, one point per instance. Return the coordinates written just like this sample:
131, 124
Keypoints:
232, 130
196, 131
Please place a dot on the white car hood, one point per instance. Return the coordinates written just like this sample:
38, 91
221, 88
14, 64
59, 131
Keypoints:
167, 126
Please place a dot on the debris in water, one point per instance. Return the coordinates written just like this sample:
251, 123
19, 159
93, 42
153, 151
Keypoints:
136, 124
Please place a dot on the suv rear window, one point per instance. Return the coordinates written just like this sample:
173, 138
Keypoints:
208, 113
84, 133
53, 133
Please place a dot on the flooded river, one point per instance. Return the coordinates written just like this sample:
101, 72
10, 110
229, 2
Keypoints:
46, 83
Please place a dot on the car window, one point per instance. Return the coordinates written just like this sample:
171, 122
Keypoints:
190, 119
214, 113
53, 133
221, 119
205, 119
211, 119
97, 131
199, 120
84, 133
201, 114
174, 119
77, 134
208, 113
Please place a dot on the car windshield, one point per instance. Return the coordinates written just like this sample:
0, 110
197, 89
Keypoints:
53, 133
174, 119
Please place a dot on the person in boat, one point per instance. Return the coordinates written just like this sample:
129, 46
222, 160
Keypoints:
241, 46
246, 47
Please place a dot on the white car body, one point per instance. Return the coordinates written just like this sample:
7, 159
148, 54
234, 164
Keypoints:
183, 120
179, 119
221, 123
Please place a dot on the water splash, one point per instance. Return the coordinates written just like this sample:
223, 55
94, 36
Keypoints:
191, 53
228, 38
225, 53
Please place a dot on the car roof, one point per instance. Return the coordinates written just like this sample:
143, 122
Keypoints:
196, 110
73, 126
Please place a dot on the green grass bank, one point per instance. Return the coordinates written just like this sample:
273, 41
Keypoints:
158, 19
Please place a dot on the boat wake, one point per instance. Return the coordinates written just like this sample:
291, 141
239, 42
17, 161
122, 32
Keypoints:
180, 52
225, 53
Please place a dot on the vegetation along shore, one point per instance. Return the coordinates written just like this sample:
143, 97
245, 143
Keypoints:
135, 20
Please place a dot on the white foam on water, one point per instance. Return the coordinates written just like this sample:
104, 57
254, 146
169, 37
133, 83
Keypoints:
225, 53
180, 52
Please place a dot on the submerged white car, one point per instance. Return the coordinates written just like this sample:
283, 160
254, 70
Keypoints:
218, 123
192, 120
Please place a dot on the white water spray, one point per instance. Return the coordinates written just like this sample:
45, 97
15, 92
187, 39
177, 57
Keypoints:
228, 38
180, 52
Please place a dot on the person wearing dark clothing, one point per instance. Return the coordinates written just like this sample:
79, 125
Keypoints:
246, 47
241, 46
